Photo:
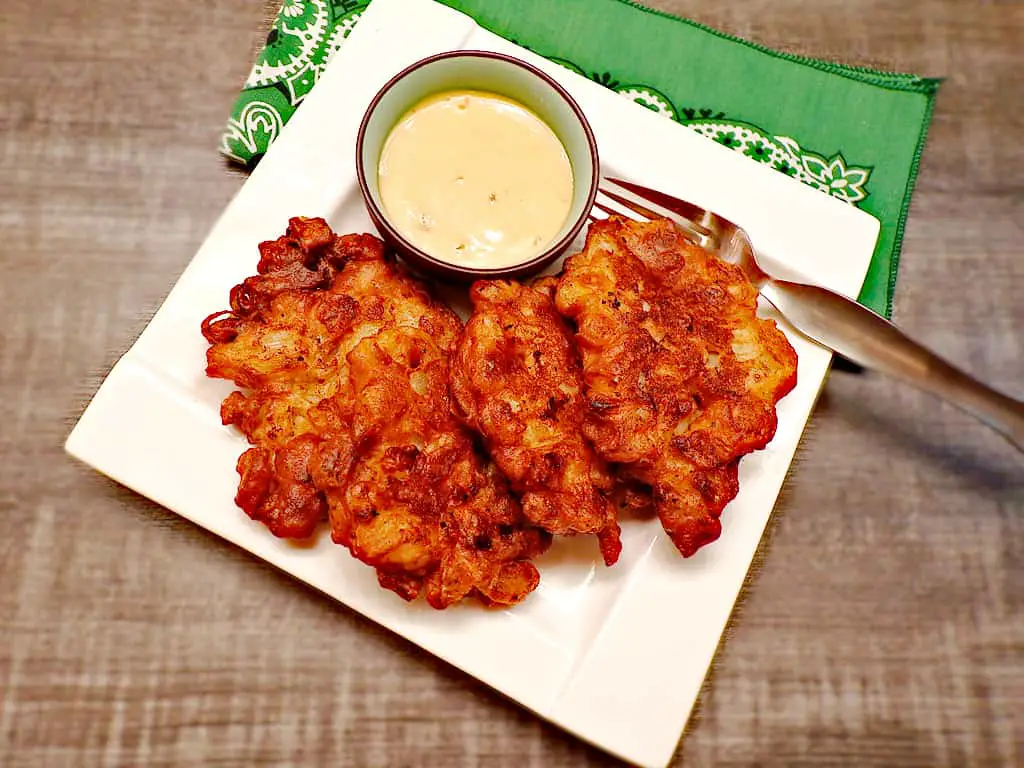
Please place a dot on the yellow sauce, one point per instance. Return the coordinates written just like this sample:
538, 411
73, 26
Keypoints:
475, 179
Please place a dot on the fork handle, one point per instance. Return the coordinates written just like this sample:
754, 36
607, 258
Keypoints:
870, 340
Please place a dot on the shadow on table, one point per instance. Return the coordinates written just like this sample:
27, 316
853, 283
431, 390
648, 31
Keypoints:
983, 458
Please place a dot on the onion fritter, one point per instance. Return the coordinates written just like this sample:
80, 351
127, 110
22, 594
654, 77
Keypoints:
681, 376
344, 359
516, 379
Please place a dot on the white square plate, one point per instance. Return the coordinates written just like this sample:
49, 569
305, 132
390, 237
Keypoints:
616, 656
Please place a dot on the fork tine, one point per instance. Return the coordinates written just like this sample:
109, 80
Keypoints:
606, 209
635, 206
706, 229
651, 210
674, 204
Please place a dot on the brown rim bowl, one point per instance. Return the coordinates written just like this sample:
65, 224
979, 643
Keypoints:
495, 73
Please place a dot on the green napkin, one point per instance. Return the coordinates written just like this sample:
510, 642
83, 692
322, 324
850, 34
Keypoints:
850, 132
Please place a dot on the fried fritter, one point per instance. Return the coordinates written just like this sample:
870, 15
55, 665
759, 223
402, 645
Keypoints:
344, 362
516, 379
681, 376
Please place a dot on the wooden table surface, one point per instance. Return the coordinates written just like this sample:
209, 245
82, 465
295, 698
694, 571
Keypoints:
885, 622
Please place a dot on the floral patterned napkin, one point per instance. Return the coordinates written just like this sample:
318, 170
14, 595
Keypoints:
853, 133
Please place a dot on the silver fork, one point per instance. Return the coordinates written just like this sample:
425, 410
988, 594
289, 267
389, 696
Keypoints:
828, 318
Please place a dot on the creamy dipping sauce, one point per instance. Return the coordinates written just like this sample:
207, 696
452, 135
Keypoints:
475, 179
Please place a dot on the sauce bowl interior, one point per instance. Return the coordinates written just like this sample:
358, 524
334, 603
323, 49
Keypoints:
496, 73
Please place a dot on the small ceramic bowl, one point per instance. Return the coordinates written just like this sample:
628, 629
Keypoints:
483, 71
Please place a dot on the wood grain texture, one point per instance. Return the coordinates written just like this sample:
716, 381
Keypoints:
884, 624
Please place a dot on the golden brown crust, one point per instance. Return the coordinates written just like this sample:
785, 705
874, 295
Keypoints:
516, 379
344, 359
681, 376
